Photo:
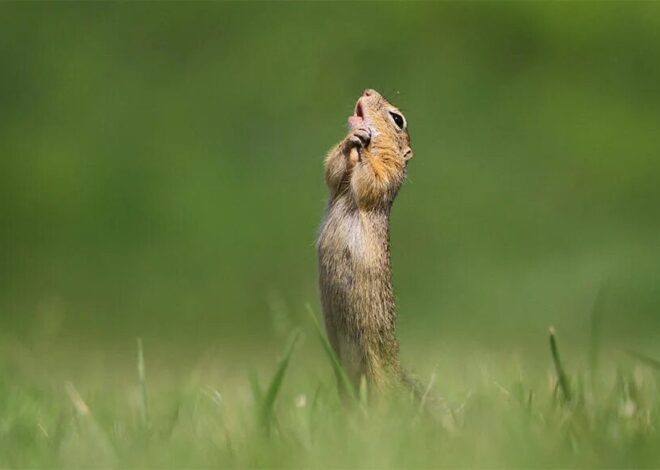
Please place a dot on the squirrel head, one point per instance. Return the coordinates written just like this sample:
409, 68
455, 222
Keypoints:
388, 126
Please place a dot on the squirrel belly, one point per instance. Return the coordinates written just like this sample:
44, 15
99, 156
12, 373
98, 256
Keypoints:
356, 292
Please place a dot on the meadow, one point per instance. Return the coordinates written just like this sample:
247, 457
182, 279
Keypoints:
477, 409
161, 180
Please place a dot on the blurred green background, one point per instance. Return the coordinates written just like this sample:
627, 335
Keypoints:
161, 168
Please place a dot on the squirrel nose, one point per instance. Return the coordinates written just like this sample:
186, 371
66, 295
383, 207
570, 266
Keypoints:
368, 92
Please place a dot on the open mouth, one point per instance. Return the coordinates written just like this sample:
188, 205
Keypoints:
357, 119
358, 109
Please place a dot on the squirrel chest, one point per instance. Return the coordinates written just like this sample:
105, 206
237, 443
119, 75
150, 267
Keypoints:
351, 246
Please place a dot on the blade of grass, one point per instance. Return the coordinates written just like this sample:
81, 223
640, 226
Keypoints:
257, 392
268, 403
364, 392
312, 421
425, 395
562, 378
345, 384
144, 403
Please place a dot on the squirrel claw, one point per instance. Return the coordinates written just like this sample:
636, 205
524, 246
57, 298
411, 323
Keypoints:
359, 138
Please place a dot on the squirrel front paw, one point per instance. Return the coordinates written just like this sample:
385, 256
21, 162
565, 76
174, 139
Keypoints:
358, 138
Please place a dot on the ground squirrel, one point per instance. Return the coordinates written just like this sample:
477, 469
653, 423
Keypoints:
364, 173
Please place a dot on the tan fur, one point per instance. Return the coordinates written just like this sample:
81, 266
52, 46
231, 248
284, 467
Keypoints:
353, 246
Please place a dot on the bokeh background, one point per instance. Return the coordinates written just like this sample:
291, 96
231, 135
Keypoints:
161, 170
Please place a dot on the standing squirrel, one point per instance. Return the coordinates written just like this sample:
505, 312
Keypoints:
364, 173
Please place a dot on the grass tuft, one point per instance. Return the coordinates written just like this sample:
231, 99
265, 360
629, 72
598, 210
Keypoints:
345, 386
90, 427
267, 406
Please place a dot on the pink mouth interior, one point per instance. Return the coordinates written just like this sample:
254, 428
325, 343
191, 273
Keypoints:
358, 109
357, 118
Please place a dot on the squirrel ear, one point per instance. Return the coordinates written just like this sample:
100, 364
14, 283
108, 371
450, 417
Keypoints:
408, 154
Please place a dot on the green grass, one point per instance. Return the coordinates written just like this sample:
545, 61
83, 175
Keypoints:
484, 409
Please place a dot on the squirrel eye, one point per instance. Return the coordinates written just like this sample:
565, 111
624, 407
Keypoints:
398, 119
